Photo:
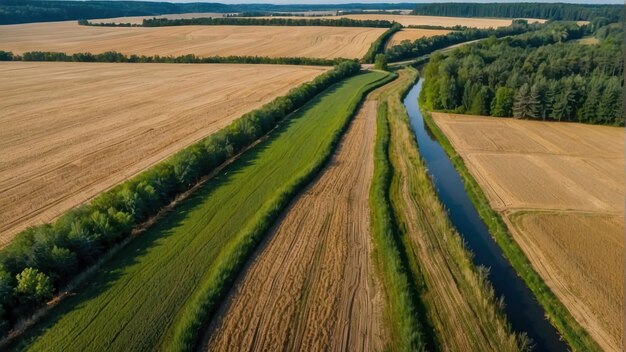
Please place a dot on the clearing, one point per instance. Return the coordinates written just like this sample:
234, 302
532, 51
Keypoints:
141, 297
273, 41
72, 130
560, 188
312, 286
413, 34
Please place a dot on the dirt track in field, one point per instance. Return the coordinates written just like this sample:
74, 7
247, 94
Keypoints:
412, 34
71, 130
560, 188
311, 286
273, 41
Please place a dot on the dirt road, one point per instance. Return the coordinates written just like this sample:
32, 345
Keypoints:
311, 286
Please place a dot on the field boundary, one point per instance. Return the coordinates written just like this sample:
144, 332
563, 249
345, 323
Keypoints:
557, 314
378, 46
117, 57
408, 331
246, 21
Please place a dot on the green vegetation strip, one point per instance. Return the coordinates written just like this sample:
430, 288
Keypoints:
577, 338
246, 21
378, 46
114, 56
160, 290
401, 309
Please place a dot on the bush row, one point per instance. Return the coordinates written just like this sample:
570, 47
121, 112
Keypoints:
423, 46
42, 259
246, 21
378, 46
113, 56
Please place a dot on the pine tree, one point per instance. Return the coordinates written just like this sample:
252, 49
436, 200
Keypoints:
589, 110
610, 106
534, 102
521, 106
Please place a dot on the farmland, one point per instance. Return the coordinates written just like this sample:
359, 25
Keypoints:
312, 284
560, 189
273, 41
413, 34
202, 241
410, 20
64, 143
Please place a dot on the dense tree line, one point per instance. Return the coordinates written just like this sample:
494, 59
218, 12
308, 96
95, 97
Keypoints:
534, 76
378, 46
427, 26
554, 11
42, 259
408, 50
24, 11
268, 21
113, 56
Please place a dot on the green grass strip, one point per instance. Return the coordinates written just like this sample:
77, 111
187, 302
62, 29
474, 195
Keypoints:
159, 291
401, 310
577, 338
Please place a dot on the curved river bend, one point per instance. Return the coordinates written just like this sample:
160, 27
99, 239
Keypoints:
522, 310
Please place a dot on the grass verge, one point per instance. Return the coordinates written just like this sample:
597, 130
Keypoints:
160, 290
577, 338
406, 331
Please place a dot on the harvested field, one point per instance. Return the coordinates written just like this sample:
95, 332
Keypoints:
413, 34
582, 246
410, 20
273, 41
72, 130
560, 187
148, 293
311, 285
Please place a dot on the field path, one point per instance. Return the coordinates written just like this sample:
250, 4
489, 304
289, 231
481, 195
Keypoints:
311, 286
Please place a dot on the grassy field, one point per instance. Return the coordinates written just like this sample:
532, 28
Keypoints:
577, 338
273, 41
402, 313
73, 130
560, 189
458, 301
158, 292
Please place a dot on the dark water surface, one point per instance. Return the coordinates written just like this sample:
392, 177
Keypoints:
522, 310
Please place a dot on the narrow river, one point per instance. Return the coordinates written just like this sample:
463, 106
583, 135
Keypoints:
523, 311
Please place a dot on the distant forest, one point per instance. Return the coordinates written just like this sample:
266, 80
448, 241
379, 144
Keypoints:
542, 75
24, 11
559, 11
